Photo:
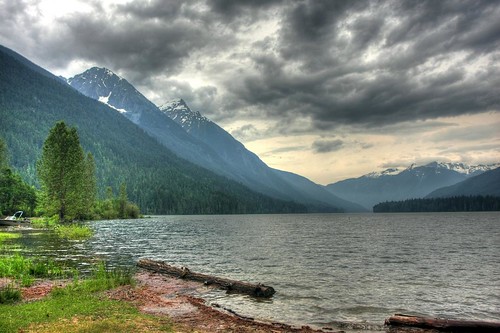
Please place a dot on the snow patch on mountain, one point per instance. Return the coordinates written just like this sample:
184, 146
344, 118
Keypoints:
457, 167
387, 172
105, 99
178, 111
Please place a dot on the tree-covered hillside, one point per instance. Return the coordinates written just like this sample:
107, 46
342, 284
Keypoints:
476, 203
157, 180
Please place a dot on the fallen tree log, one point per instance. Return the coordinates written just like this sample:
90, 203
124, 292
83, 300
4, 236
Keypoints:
257, 290
440, 324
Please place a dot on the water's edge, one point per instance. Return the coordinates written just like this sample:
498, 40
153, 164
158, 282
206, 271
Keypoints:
328, 269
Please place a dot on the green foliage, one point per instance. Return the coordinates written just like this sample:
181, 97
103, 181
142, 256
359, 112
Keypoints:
116, 208
26, 270
4, 156
15, 194
157, 181
9, 294
45, 222
99, 280
65, 174
452, 204
73, 231
78, 312
7, 235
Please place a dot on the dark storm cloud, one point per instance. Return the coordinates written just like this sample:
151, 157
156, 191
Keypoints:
133, 41
333, 63
421, 50
232, 10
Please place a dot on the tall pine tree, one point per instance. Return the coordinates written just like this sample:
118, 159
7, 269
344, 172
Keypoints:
65, 174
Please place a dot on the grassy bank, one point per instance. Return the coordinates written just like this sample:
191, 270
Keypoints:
79, 307
73, 231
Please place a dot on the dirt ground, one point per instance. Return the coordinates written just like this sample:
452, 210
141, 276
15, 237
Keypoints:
161, 295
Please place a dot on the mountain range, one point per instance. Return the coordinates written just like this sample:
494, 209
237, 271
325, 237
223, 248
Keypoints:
175, 160
412, 182
197, 139
32, 100
487, 183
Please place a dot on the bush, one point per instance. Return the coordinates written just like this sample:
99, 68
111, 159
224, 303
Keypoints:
73, 231
45, 222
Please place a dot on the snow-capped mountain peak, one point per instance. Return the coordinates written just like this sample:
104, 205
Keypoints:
461, 168
178, 111
105, 86
387, 172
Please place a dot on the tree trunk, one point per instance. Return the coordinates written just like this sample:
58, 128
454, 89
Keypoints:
448, 325
257, 290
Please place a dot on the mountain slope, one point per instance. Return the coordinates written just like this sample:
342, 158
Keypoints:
487, 183
156, 179
105, 86
396, 185
248, 168
197, 139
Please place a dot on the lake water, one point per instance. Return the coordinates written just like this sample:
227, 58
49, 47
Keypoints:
326, 268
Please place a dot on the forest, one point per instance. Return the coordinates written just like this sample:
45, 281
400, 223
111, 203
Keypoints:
158, 181
452, 204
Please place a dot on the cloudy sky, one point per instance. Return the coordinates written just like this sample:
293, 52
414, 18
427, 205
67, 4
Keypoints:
327, 89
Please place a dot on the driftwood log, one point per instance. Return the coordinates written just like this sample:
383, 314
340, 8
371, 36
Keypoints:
257, 290
445, 325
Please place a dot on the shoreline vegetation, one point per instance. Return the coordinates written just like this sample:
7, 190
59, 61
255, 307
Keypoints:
37, 296
68, 190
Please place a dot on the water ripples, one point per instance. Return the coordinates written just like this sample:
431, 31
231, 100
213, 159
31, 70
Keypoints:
331, 268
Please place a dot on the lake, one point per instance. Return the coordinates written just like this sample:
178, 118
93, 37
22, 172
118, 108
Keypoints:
326, 268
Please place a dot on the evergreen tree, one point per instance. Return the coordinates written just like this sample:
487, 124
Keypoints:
62, 173
3, 154
90, 184
122, 201
15, 194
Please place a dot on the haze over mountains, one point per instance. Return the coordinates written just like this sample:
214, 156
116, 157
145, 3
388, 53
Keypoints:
32, 101
175, 160
487, 183
201, 141
410, 183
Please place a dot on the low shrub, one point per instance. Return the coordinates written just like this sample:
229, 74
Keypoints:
73, 231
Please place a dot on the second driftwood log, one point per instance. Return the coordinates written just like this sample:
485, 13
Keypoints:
257, 290
445, 325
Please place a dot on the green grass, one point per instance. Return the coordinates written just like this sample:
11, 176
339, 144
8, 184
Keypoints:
73, 231
9, 294
8, 235
99, 280
80, 308
76, 311
26, 270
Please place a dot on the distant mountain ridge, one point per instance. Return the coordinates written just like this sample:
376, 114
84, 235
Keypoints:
486, 183
194, 137
251, 170
396, 185
105, 86
463, 168
33, 100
